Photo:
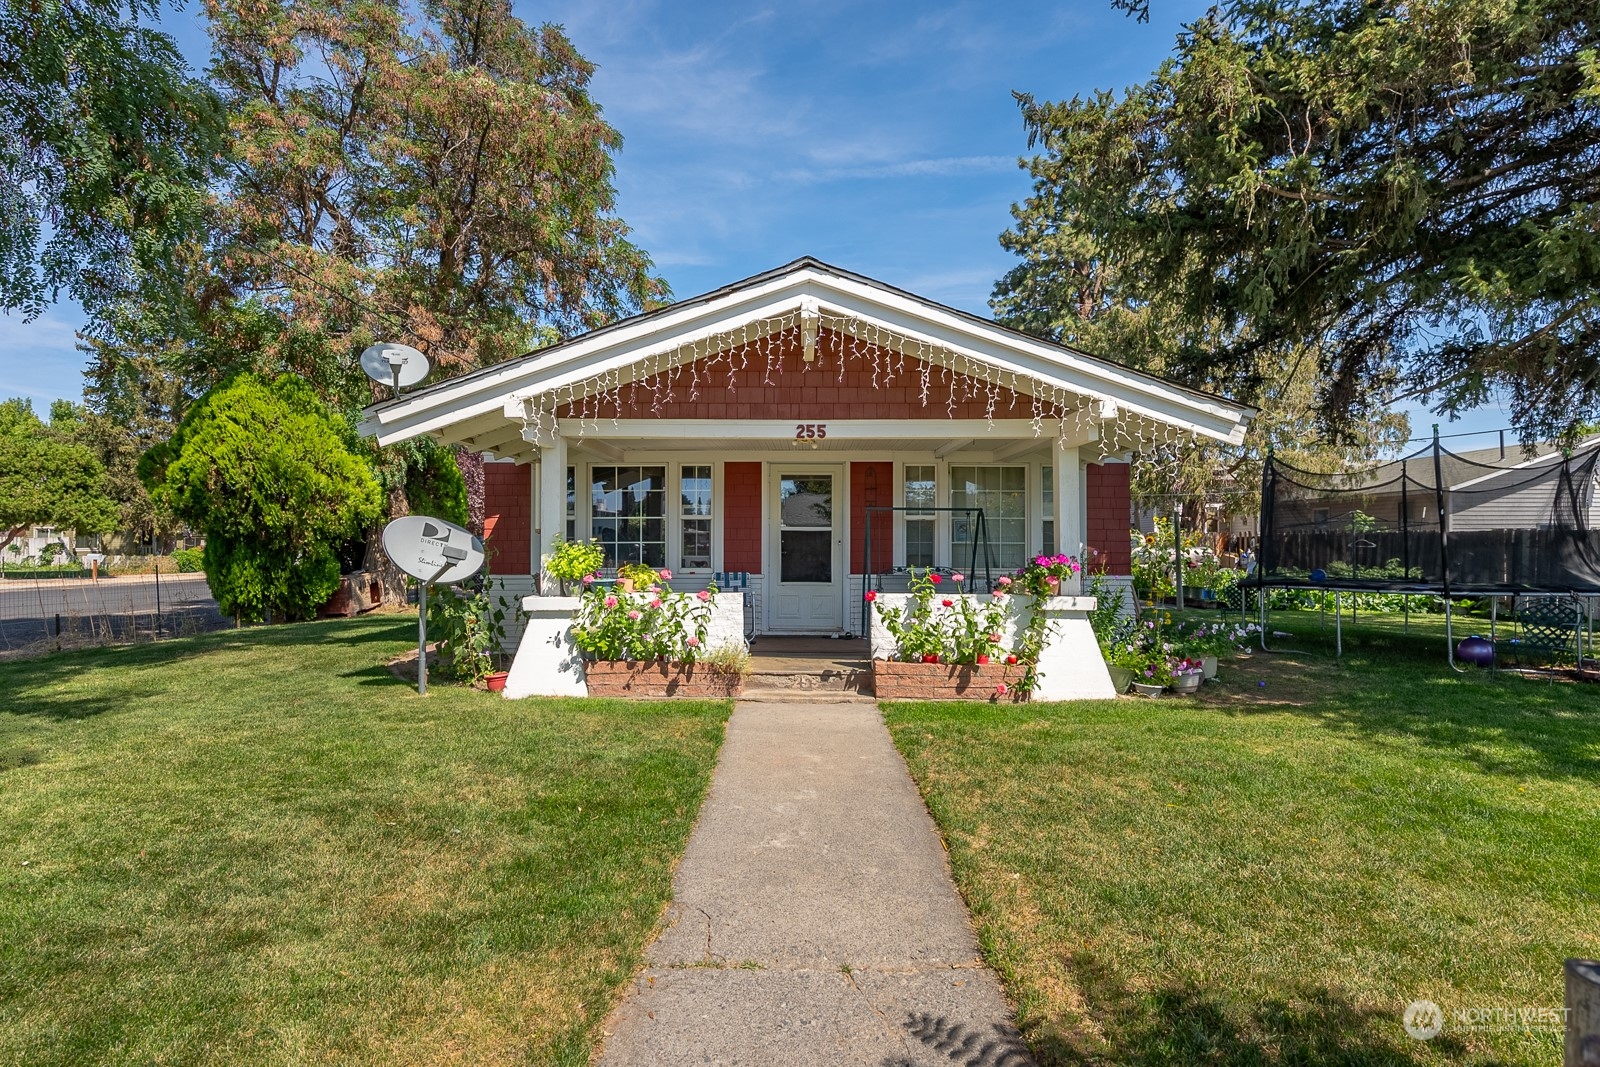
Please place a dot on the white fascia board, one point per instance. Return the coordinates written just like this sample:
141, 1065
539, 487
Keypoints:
613, 350
837, 430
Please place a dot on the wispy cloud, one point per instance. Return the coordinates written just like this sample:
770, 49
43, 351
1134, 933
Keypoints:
40, 359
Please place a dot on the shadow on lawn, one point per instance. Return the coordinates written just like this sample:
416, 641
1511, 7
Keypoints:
1506, 725
44, 687
1178, 1024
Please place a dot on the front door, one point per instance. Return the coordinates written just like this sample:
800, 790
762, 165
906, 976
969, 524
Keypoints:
808, 595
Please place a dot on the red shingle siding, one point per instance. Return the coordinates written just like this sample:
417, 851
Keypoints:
741, 517
508, 517
813, 392
871, 485
1110, 515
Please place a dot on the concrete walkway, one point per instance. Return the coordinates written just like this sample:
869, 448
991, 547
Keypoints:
813, 917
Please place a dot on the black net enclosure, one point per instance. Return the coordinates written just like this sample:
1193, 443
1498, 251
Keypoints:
1484, 522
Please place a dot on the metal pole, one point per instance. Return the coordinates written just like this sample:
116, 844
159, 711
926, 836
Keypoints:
1338, 625
422, 641
1177, 550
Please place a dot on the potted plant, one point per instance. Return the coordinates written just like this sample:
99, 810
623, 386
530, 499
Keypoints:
1125, 663
469, 624
571, 562
635, 577
1152, 677
649, 643
1043, 576
950, 644
1187, 674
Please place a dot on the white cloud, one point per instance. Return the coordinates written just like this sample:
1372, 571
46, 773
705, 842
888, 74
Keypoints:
40, 359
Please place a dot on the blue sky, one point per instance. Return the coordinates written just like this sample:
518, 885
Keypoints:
880, 137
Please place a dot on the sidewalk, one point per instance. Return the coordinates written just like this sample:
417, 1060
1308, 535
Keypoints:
813, 917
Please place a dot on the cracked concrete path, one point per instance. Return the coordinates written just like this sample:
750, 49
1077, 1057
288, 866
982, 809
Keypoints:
813, 917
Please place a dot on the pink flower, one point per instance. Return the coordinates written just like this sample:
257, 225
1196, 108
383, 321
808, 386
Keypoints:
634, 615
656, 603
958, 577
666, 574
654, 589
703, 595
1004, 579
588, 579
999, 594
870, 596
1001, 690
611, 601
994, 639
692, 642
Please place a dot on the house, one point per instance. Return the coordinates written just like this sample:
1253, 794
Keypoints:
762, 434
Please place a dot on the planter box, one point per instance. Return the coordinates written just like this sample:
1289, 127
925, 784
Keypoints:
615, 678
894, 680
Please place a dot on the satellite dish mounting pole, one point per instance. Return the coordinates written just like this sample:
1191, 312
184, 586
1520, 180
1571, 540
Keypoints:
422, 632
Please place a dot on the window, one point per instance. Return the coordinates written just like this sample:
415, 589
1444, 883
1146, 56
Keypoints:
1319, 516
694, 490
1002, 494
920, 493
1049, 510
572, 503
628, 508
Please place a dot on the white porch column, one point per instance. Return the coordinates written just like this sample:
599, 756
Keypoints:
551, 505
1072, 527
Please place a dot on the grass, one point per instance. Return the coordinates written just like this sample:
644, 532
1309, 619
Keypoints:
259, 847
1269, 873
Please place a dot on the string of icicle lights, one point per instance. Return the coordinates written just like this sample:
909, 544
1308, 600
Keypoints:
944, 379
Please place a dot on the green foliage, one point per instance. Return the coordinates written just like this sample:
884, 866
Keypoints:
573, 561
261, 468
652, 624
1395, 196
951, 626
469, 625
47, 478
106, 146
189, 560
434, 485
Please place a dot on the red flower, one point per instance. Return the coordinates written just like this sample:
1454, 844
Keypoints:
870, 597
1011, 659
982, 659
930, 657
935, 579
948, 603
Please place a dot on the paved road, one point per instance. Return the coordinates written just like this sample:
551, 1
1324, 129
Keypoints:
110, 608
813, 917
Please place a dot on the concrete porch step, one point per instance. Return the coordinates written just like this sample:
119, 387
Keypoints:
796, 696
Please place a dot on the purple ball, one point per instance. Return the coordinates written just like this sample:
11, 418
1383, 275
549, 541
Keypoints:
1476, 650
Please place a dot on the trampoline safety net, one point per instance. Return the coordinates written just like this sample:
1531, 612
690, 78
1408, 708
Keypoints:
1435, 520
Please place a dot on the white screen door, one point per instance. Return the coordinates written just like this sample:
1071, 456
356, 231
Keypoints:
807, 596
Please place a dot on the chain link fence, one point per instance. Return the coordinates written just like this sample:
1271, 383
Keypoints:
47, 613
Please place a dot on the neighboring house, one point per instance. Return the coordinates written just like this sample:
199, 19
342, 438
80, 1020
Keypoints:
743, 435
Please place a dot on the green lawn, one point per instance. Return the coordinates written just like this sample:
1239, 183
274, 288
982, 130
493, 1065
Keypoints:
259, 847
1269, 873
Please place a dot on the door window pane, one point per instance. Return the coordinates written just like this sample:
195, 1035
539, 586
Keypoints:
805, 535
806, 556
694, 490
628, 514
919, 492
806, 501
1002, 494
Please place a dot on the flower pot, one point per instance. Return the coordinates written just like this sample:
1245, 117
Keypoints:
1208, 667
1146, 689
625, 584
497, 681
1121, 678
1186, 684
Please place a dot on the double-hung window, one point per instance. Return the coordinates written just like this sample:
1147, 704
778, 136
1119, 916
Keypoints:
628, 513
1002, 494
694, 493
920, 493
1049, 483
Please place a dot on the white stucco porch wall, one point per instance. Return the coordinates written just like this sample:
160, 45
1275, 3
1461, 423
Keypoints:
1070, 664
549, 663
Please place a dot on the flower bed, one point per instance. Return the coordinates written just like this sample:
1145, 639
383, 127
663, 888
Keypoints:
620, 678
895, 680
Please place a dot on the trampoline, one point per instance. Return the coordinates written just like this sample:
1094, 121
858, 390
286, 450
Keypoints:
1435, 523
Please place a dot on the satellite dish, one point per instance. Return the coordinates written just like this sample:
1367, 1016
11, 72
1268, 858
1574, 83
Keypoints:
394, 365
433, 551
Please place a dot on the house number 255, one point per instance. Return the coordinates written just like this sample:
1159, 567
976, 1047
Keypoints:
809, 431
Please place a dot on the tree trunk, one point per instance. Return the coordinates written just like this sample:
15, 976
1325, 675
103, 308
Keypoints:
470, 464
391, 579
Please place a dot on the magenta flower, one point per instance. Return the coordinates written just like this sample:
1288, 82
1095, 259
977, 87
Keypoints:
611, 601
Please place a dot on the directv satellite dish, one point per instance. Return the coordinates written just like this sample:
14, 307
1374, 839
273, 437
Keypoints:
430, 550
394, 365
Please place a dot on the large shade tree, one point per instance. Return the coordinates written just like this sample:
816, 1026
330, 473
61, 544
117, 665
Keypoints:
48, 477
1404, 192
106, 146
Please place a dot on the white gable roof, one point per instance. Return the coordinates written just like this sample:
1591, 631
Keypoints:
451, 408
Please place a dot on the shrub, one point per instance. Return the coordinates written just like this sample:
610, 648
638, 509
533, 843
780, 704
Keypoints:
261, 468
189, 560
654, 624
469, 626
